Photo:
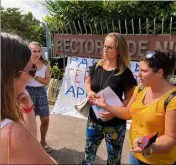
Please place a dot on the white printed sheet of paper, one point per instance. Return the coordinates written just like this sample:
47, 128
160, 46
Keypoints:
111, 99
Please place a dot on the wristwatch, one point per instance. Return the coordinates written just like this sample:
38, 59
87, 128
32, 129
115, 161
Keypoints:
151, 150
149, 153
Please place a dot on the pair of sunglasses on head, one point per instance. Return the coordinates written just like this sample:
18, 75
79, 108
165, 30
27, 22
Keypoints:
31, 71
150, 55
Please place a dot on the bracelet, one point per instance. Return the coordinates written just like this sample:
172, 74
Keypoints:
151, 149
27, 110
149, 153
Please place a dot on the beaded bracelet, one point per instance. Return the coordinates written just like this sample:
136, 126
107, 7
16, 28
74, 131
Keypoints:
27, 110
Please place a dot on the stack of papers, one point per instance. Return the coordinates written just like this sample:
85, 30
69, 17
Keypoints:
111, 99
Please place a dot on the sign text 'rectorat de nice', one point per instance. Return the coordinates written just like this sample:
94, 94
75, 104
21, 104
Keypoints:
91, 45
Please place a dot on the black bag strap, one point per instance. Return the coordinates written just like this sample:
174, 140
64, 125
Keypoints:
93, 68
140, 88
171, 96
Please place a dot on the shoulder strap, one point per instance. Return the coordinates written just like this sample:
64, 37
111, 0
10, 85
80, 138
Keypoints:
5, 122
9, 140
93, 68
172, 95
140, 88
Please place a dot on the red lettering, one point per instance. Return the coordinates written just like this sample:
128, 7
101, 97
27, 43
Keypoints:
76, 75
86, 76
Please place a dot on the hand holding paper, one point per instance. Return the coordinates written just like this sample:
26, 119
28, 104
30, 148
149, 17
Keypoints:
107, 96
91, 94
105, 116
100, 102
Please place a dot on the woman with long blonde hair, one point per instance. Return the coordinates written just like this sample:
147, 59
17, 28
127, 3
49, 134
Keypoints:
110, 71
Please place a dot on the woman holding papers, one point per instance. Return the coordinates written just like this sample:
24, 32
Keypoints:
111, 71
152, 108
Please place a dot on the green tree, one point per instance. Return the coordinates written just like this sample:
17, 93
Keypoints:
25, 25
95, 13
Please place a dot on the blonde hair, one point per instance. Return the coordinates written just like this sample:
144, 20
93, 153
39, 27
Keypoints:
41, 57
123, 59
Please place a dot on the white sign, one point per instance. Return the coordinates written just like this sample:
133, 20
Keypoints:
72, 89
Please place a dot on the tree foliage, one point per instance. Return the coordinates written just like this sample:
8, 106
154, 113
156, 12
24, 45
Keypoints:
63, 13
25, 25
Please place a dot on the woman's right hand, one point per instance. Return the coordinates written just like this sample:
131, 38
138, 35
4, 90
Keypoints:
91, 96
24, 99
101, 102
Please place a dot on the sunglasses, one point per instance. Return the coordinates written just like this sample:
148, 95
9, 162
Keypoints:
150, 55
32, 71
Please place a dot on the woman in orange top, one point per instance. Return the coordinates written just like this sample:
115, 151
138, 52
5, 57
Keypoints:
148, 112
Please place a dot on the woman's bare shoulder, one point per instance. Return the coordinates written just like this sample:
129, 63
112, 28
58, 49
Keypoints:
11, 127
24, 146
17, 136
13, 137
16, 133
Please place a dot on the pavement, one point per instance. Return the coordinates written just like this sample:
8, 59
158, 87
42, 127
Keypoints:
66, 135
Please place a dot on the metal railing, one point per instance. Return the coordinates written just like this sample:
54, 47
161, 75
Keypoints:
127, 27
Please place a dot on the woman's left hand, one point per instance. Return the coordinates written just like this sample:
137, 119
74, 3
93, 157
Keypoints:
137, 149
24, 98
106, 115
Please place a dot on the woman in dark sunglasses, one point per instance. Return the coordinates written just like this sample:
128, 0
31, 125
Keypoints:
37, 91
152, 108
19, 144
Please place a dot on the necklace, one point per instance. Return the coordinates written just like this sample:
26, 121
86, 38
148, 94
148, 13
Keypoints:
102, 85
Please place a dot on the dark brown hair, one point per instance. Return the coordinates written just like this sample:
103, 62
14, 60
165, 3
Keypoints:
164, 60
